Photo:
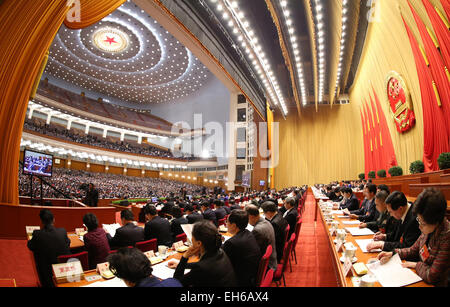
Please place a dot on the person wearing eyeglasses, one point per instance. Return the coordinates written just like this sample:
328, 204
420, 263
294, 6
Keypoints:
430, 254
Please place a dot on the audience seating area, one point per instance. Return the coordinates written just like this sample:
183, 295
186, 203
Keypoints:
102, 109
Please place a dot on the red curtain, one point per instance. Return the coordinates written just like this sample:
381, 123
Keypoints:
435, 132
437, 68
446, 5
366, 148
370, 145
385, 138
441, 31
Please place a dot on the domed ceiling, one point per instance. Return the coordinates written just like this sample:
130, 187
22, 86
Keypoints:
127, 56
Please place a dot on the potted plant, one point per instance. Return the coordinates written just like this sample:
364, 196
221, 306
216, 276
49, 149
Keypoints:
417, 167
396, 171
381, 173
372, 174
444, 160
362, 176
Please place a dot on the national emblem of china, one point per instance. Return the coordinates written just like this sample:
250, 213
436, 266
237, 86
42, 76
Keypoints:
400, 102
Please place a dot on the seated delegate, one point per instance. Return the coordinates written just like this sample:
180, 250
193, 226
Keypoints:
430, 254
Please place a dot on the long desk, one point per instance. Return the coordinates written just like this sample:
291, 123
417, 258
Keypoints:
346, 281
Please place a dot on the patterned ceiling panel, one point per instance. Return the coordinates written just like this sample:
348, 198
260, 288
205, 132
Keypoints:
128, 56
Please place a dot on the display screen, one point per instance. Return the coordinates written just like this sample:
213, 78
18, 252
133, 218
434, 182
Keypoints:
38, 164
246, 177
262, 183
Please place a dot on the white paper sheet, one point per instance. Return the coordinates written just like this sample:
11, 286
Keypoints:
351, 222
111, 228
337, 212
187, 228
392, 274
363, 245
115, 282
356, 231
162, 271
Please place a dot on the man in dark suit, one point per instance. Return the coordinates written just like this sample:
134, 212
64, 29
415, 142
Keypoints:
279, 225
178, 220
220, 211
92, 196
192, 215
242, 249
157, 227
352, 202
233, 205
208, 214
47, 244
368, 211
291, 214
127, 235
407, 229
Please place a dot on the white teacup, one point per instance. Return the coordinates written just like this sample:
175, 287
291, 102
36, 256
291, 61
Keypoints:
341, 234
368, 281
335, 224
350, 251
162, 250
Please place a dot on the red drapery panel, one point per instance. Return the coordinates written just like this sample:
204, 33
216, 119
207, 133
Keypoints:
435, 132
446, 5
366, 149
441, 31
387, 146
437, 68
370, 146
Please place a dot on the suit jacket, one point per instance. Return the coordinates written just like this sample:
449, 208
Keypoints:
227, 209
235, 207
291, 218
194, 217
153, 282
47, 244
245, 255
434, 268
160, 229
220, 213
265, 235
176, 226
208, 214
213, 270
351, 204
92, 198
279, 225
368, 211
127, 235
404, 235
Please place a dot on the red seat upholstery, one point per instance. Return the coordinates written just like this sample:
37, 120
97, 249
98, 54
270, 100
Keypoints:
223, 221
298, 227
281, 268
268, 279
83, 257
263, 265
146, 246
115, 251
181, 237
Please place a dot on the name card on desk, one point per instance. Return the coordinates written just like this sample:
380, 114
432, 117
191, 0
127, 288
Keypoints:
348, 266
68, 272
339, 246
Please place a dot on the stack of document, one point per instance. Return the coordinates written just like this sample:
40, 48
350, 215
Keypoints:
392, 274
162, 271
111, 228
356, 231
115, 282
363, 245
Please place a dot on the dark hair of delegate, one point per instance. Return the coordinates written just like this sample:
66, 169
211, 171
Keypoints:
207, 233
372, 188
176, 212
90, 220
130, 264
382, 195
150, 209
431, 205
252, 210
396, 200
46, 217
383, 187
239, 217
269, 206
127, 215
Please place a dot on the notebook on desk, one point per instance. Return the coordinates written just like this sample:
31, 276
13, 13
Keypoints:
392, 273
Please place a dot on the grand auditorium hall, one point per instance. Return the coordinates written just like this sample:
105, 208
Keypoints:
251, 145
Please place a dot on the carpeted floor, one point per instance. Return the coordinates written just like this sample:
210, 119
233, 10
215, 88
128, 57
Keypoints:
314, 268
